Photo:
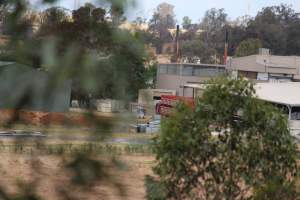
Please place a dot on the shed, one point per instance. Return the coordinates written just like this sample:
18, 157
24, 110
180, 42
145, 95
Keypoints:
24, 87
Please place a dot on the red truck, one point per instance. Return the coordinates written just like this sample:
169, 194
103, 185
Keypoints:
167, 102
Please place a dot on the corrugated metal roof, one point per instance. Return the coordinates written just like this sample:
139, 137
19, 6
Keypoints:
287, 93
282, 93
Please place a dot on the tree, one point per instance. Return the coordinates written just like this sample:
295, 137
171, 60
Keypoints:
229, 145
214, 19
248, 47
186, 21
213, 24
192, 49
90, 32
271, 26
162, 20
293, 42
52, 16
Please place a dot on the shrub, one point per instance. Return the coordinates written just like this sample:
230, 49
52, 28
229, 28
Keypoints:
231, 144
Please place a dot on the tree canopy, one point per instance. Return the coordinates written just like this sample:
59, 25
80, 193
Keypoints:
230, 146
276, 27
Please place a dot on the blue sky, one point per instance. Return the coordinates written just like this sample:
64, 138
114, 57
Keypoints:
195, 9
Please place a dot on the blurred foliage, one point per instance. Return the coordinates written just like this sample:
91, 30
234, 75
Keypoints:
85, 46
186, 22
162, 20
86, 170
154, 189
231, 144
151, 74
274, 189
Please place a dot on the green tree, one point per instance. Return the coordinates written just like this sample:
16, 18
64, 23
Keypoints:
51, 17
231, 144
186, 21
162, 20
90, 33
213, 24
248, 47
271, 26
293, 42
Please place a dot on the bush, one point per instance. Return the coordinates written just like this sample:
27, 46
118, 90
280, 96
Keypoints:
154, 189
231, 144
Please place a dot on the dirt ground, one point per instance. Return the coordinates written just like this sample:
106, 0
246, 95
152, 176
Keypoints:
52, 179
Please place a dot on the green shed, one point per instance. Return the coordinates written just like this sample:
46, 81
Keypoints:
24, 87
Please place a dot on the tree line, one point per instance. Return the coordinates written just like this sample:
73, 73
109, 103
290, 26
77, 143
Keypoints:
275, 27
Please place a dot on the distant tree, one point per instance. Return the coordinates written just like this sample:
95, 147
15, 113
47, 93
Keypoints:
191, 49
186, 21
232, 146
213, 25
4, 9
271, 26
166, 14
89, 33
51, 17
214, 19
162, 20
248, 47
139, 20
293, 42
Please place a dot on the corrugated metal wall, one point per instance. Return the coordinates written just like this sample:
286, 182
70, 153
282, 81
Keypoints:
27, 88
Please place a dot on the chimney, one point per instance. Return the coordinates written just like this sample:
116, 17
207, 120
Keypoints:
226, 48
177, 47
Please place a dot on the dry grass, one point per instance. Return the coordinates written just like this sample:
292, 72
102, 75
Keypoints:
53, 178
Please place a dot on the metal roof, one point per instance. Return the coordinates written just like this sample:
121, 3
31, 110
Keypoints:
283, 93
287, 93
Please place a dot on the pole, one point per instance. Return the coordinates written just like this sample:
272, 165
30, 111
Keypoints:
177, 47
226, 47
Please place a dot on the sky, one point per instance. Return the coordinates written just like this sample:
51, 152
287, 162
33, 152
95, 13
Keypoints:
195, 9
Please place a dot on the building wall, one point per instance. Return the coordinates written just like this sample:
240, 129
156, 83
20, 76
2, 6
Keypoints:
23, 87
287, 67
175, 76
175, 82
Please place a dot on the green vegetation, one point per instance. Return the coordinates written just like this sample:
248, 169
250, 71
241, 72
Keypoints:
248, 47
232, 144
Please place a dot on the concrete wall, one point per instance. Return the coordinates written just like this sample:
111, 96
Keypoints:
174, 76
267, 63
175, 82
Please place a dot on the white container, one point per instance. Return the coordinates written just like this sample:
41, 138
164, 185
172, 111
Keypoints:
108, 105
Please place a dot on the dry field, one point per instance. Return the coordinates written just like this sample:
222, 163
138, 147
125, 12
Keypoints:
52, 179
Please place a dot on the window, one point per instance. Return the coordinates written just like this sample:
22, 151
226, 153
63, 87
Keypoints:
163, 69
172, 69
295, 113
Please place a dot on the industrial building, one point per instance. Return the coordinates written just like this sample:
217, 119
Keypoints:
174, 76
264, 67
23, 87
